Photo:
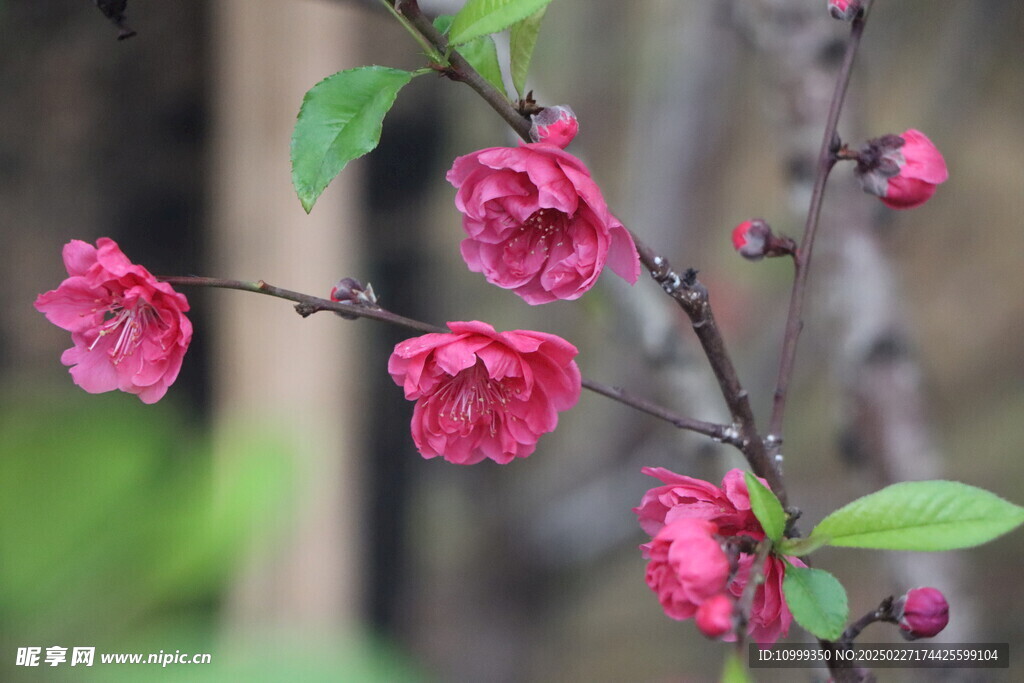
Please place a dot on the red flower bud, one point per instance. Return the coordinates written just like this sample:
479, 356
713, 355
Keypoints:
556, 125
903, 170
750, 238
754, 240
922, 613
844, 10
714, 616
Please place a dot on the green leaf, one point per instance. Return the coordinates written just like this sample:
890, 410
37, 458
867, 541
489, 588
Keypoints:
766, 507
481, 17
340, 120
921, 515
522, 39
817, 601
479, 52
734, 671
801, 546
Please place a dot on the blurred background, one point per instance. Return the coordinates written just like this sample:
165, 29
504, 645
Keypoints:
272, 509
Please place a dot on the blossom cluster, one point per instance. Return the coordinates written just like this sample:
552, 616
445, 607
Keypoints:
692, 523
535, 223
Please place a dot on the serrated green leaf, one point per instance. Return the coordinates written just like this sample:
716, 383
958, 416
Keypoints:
482, 17
801, 546
340, 120
921, 515
766, 507
734, 671
522, 40
817, 601
480, 53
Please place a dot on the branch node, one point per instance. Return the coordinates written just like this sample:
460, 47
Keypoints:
671, 283
731, 434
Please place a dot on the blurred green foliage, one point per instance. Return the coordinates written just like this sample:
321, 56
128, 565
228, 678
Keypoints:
119, 530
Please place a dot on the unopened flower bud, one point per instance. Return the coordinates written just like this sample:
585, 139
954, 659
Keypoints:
844, 10
556, 125
921, 613
754, 240
750, 238
714, 616
349, 290
903, 170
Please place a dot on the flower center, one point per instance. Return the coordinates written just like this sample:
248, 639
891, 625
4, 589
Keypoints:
536, 235
129, 323
472, 396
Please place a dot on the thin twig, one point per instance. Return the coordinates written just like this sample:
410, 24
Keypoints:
307, 305
830, 145
718, 432
883, 612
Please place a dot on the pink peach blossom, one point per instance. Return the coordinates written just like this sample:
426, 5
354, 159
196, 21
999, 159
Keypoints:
728, 509
902, 170
484, 394
129, 330
537, 223
687, 566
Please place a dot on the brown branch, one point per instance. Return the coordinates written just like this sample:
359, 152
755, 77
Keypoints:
692, 297
307, 305
830, 145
